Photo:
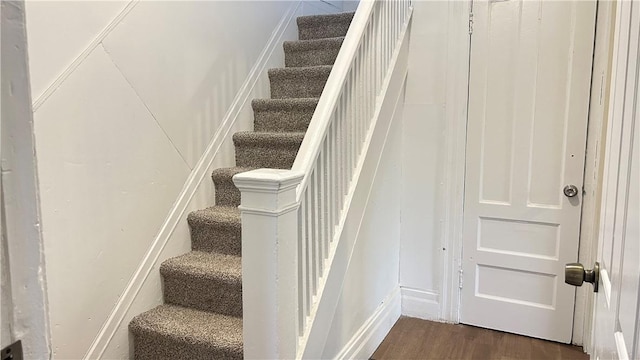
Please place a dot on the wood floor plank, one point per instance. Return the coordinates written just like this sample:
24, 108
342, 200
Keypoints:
420, 339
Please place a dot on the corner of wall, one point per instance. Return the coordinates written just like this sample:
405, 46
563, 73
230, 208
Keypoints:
433, 192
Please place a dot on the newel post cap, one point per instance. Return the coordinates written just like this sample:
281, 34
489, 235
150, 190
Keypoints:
268, 191
267, 180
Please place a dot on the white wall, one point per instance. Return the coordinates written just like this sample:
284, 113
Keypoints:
133, 102
432, 116
424, 152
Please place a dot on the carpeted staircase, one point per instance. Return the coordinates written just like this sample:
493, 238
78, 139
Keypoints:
202, 314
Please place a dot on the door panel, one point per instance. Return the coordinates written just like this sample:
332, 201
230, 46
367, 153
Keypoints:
530, 78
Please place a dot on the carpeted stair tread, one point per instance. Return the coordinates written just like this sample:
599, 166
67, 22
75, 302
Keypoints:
311, 52
226, 192
216, 229
185, 276
227, 216
175, 332
283, 115
323, 26
268, 138
284, 104
276, 150
298, 82
226, 268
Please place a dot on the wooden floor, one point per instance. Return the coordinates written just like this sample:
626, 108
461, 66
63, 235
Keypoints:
420, 339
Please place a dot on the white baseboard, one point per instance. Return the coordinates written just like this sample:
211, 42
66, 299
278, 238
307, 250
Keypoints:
200, 172
367, 339
420, 304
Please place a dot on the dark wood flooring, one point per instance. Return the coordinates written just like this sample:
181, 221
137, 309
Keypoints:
420, 339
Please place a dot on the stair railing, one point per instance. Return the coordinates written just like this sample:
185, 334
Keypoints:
292, 219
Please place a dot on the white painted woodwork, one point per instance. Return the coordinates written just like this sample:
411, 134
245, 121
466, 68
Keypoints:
616, 315
269, 262
330, 160
23, 280
596, 140
530, 78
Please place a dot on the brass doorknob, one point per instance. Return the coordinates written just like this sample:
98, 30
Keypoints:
575, 274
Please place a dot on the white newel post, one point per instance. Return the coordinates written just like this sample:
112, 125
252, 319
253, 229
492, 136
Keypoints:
269, 262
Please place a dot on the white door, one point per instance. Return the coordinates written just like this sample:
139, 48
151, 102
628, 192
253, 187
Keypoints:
616, 307
530, 76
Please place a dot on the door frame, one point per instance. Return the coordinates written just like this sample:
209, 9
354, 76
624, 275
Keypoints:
620, 92
459, 52
21, 226
594, 165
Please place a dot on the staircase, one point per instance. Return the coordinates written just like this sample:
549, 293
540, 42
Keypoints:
202, 314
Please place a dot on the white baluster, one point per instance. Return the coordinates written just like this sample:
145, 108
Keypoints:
302, 265
323, 202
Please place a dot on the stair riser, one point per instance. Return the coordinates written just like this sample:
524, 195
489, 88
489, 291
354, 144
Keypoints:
283, 120
220, 297
216, 238
227, 194
154, 347
283, 87
266, 157
311, 57
321, 31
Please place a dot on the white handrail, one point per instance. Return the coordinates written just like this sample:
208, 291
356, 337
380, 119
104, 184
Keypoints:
332, 150
292, 219
321, 119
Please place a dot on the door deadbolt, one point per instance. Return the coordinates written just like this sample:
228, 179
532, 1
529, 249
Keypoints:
575, 274
570, 191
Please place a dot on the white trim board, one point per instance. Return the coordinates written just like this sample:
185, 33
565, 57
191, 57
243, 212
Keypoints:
200, 172
594, 165
371, 334
420, 304
22, 242
457, 98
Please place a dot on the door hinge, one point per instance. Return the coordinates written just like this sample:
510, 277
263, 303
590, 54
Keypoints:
460, 277
470, 23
